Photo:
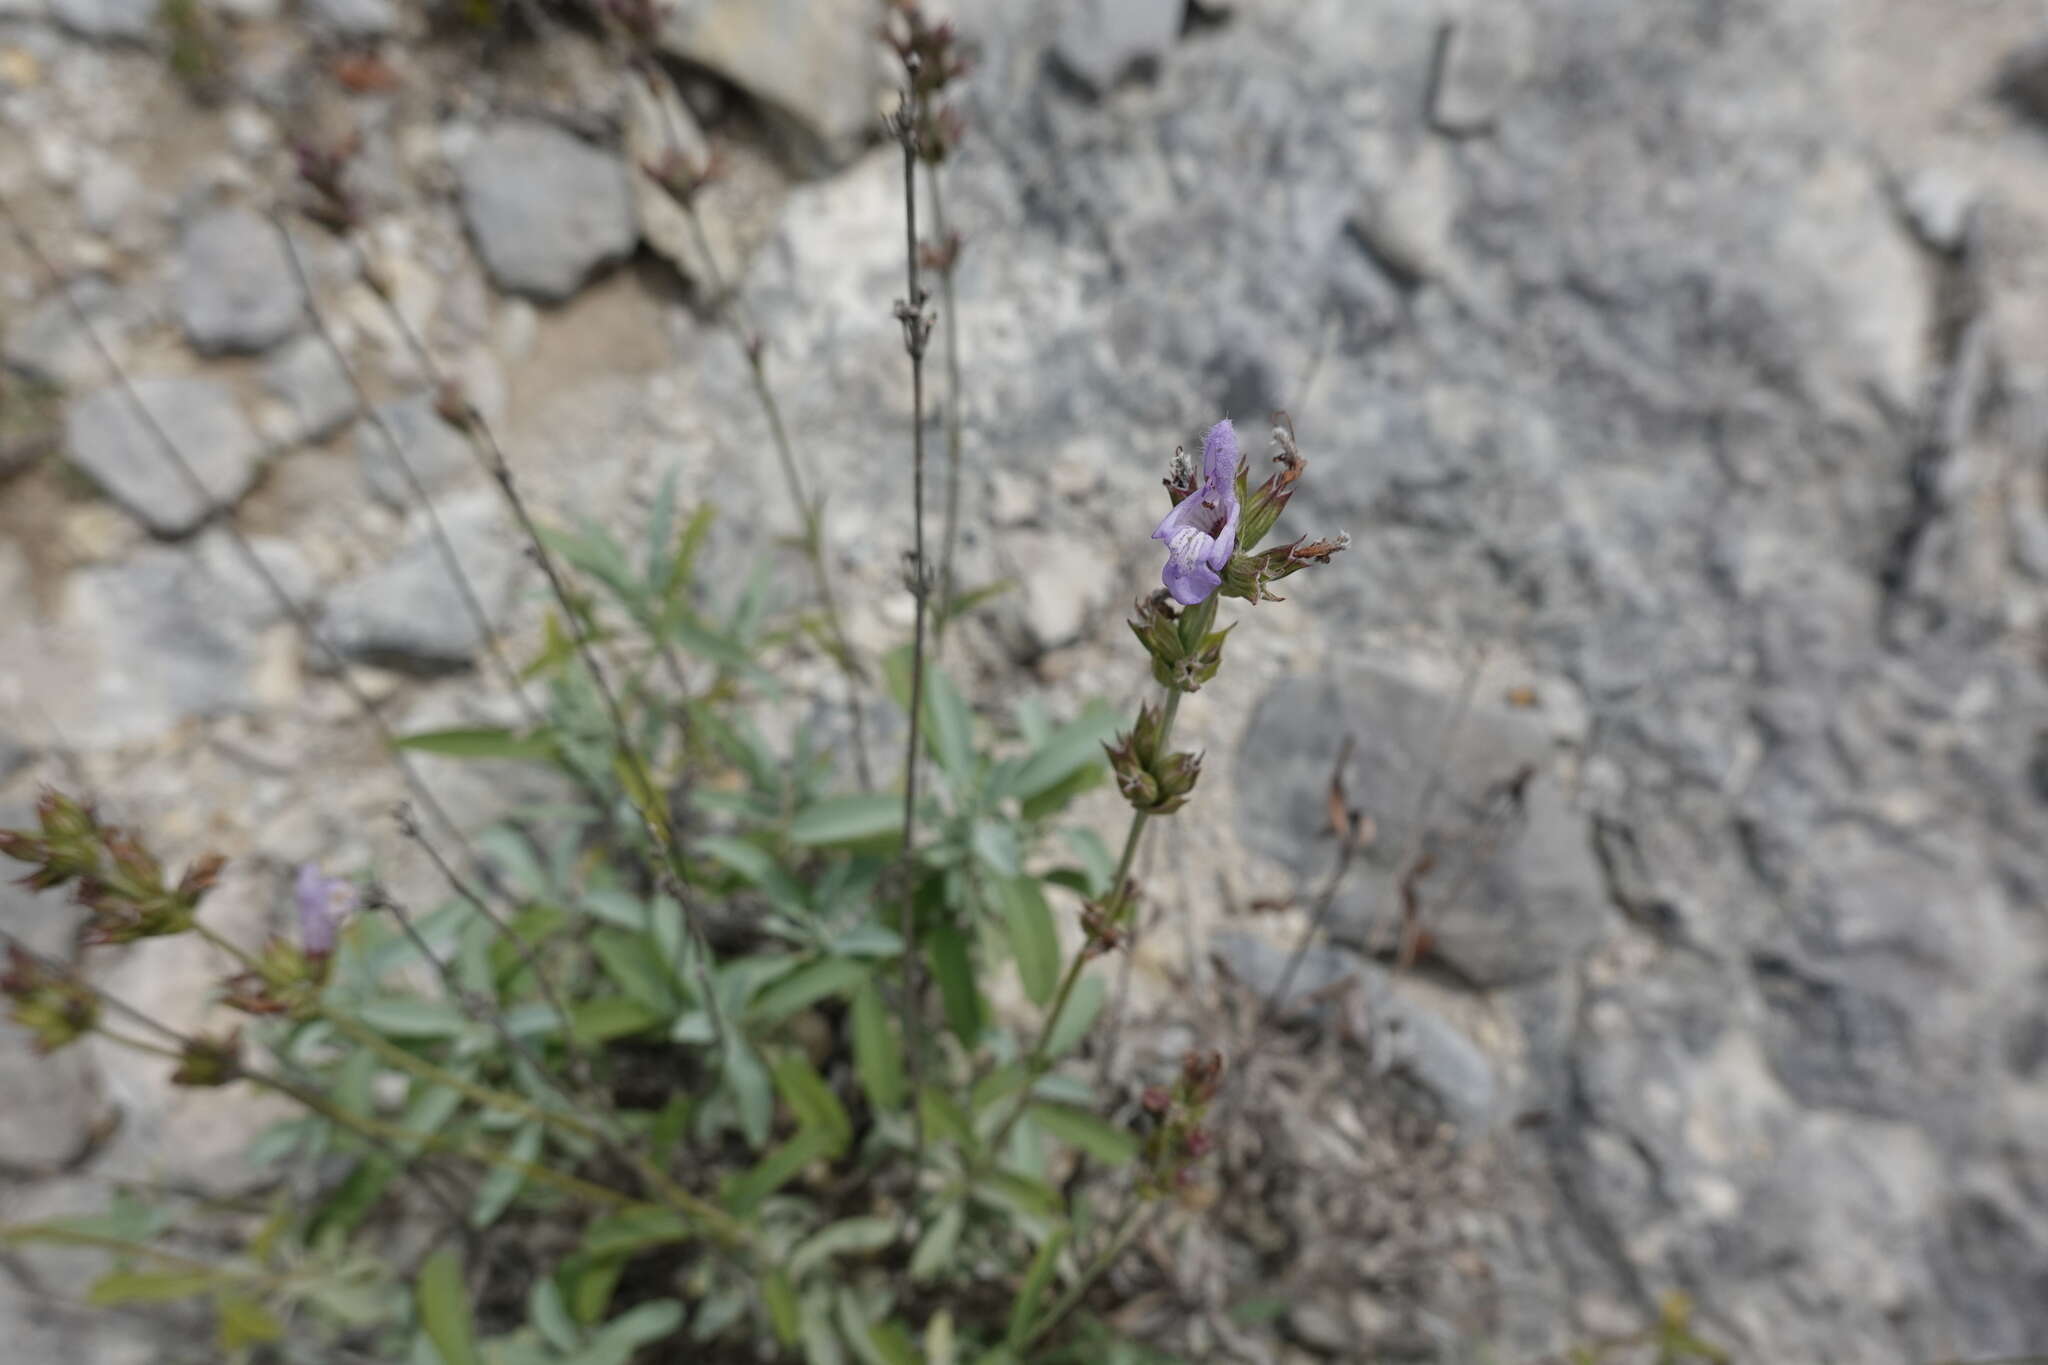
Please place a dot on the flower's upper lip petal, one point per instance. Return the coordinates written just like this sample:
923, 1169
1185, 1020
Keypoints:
1219, 453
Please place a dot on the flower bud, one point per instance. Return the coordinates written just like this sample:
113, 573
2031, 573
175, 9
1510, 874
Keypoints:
1185, 653
1263, 505
1154, 782
210, 1061
54, 1008
1247, 575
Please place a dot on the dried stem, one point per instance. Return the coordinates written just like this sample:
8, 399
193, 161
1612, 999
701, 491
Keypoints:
297, 614
579, 1064
916, 333
809, 508
443, 545
659, 830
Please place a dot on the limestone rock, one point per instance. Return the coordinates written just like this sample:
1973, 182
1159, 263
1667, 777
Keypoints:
112, 444
235, 288
546, 209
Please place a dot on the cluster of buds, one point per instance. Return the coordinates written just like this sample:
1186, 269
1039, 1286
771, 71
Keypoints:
932, 59
287, 978
1153, 780
118, 880
1177, 1139
322, 169
1185, 652
205, 1062
56, 1008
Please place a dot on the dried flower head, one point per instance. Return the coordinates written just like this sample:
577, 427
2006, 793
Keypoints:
55, 1008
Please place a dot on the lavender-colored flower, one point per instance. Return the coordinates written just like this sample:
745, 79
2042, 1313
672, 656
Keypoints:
324, 902
1201, 531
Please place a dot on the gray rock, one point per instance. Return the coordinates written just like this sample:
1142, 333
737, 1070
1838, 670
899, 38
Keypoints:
356, 18
313, 386
235, 289
409, 613
434, 451
812, 64
140, 645
1939, 204
1404, 1037
2024, 80
545, 209
53, 1104
1484, 57
1514, 892
48, 342
129, 20
1099, 42
111, 443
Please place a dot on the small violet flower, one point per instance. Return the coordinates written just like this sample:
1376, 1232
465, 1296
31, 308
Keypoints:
1201, 531
324, 902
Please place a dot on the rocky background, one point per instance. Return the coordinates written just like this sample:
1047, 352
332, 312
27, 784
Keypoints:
1679, 370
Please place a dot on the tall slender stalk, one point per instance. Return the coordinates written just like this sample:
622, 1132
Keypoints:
916, 333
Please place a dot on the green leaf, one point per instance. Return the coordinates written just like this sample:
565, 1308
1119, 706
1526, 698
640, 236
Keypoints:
1073, 748
808, 984
444, 1309
745, 1191
935, 1248
847, 1237
1033, 939
409, 1016
1095, 857
616, 907
631, 963
944, 1117
149, 1286
784, 1314
548, 1311
811, 1100
1109, 1145
953, 969
1019, 1194
591, 1282
243, 1322
752, 1090
1078, 1017
633, 1231
616, 1342
612, 1016
995, 843
481, 742
503, 1184
893, 1344
1061, 794
758, 866
949, 728
876, 1058
1033, 1288
861, 818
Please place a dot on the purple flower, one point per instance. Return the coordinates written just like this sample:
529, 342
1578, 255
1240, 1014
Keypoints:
1201, 531
324, 902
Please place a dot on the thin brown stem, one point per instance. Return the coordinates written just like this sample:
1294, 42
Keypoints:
444, 546
293, 611
916, 332
579, 1064
1133, 1222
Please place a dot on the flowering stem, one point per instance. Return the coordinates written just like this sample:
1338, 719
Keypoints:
1036, 1061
